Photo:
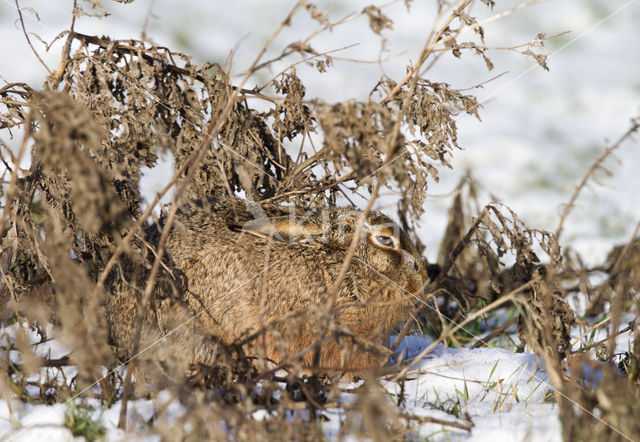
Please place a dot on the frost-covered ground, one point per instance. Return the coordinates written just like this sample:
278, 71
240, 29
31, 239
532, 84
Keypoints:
539, 134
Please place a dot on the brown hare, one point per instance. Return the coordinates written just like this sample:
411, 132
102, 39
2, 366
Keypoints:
246, 267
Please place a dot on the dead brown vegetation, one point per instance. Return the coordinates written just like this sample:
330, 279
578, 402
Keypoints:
72, 228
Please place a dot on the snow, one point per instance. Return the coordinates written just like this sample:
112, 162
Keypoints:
36, 422
502, 392
539, 134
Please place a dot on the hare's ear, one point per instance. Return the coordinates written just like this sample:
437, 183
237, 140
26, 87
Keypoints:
261, 227
298, 232
281, 230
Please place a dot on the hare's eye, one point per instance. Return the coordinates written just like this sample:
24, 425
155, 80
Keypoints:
384, 240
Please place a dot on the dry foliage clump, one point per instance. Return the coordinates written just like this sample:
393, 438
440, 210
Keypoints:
72, 229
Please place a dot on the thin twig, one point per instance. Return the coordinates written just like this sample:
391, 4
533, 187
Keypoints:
143, 33
481, 342
631, 327
433, 420
26, 35
316, 189
635, 124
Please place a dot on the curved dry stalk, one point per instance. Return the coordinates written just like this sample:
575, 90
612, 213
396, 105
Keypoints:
143, 32
333, 291
26, 36
635, 125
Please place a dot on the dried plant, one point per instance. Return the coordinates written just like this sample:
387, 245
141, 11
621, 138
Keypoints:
73, 235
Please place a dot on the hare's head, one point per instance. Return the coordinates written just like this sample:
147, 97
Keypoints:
386, 249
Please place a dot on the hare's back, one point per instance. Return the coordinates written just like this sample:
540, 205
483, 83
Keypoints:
243, 280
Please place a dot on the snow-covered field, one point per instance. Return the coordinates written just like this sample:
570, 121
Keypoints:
502, 392
539, 134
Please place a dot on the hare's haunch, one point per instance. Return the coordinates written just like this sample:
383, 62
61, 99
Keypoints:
239, 268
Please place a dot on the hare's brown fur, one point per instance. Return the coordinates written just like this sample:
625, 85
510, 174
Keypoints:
244, 266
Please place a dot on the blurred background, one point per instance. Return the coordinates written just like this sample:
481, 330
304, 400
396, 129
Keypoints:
540, 130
